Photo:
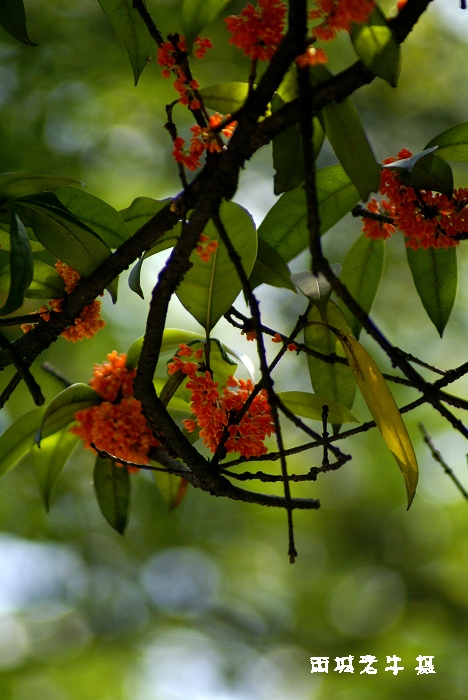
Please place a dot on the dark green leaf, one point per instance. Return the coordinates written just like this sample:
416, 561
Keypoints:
285, 225
361, 273
61, 410
49, 460
13, 20
330, 379
270, 268
21, 266
132, 32
431, 173
287, 153
99, 216
453, 143
17, 440
435, 277
309, 405
67, 238
406, 165
209, 288
342, 125
112, 487
196, 14
377, 47
226, 98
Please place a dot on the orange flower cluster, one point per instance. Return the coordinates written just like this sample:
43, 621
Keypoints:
257, 31
203, 139
170, 56
117, 424
215, 411
206, 247
427, 219
336, 15
88, 323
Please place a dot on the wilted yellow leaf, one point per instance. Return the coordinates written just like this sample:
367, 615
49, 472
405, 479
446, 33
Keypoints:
384, 410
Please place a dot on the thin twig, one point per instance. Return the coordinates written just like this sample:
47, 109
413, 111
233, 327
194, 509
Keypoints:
438, 458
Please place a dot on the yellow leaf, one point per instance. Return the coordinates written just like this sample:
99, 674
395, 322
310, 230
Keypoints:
384, 410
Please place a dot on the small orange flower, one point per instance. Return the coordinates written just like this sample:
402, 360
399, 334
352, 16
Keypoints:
258, 30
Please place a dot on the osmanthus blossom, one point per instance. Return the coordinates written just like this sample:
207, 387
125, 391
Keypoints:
87, 324
215, 411
338, 15
117, 424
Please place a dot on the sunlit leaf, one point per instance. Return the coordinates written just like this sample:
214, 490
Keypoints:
377, 47
45, 284
361, 273
452, 144
101, 218
132, 32
18, 439
21, 266
270, 268
383, 408
332, 379
285, 225
196, 14
309, 405
112, 487
172, 338
49, 460
315, 287
171, 487
22, 184
61, 410
209, 288
13, 20
140, 211
226, 98
343, 128
435, 276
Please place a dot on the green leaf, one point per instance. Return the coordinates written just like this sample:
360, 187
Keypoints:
452, 144
171, 487
315, 287
168, 240
288, 161
383, 408
406, 165
140, 211
67, 238
113, 488
172, 338
342, 125
226, 98
431, 173
49, 460
21, 266
99, 216
132, 32
309, 405
285, 225
330, 379
21, 184
17, 440
270, 268
377, 47
196, 14
13, 20
361, 273
46, 282
61, 410
435, 277
209, 288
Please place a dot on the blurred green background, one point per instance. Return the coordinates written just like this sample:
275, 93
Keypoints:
202, 603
